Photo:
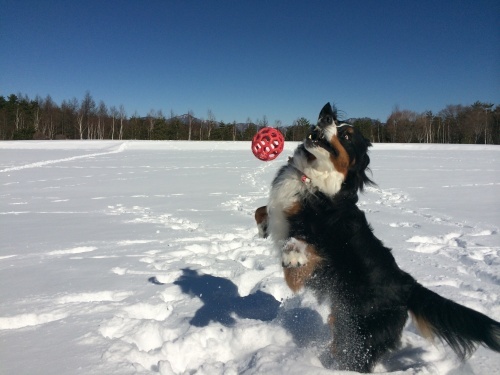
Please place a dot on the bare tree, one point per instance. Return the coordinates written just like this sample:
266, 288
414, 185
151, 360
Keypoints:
122, 115
487, 107
234, 131
102, 114
151, 122
17, 121
263, 123
49, 108
440, 130
428, 137
476, 122
408, 126
420, 128
448, 115
210, 122
88, 109
79, 120
36, 114
69, 117
190, 123
114, 115
202, 121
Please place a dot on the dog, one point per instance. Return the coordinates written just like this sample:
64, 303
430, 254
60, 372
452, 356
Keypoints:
327, 245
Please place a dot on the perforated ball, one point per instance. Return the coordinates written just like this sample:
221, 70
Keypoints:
267, 144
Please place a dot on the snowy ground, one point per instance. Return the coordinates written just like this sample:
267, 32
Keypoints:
143, 257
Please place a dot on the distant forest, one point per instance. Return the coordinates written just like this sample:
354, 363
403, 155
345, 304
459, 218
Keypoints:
42, 118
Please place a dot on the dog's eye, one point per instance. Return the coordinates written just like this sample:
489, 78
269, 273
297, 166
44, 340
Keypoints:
346, 136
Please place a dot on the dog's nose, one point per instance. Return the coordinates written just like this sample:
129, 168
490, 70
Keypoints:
327, 120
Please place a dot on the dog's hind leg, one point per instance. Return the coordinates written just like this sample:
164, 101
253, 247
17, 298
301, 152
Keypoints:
262, 218
360, 341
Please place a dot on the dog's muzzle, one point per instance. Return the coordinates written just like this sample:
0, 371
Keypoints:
316, 138
316, 133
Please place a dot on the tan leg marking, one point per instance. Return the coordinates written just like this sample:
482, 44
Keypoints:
296, 277
261, 214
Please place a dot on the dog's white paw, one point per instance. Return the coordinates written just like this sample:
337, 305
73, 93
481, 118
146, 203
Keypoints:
294, 253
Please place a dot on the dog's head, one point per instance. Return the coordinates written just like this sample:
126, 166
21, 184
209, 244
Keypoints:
335, 154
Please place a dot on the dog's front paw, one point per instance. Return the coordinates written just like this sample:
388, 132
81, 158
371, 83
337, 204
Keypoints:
294, 253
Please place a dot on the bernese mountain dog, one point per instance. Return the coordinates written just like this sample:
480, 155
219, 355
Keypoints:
327, 245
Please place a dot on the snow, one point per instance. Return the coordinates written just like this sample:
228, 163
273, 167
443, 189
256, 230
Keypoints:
143, 257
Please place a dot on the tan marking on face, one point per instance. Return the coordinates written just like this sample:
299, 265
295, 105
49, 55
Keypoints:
341, 162
296, 277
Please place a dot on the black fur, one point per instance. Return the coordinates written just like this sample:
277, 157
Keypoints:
370, 295
367, 290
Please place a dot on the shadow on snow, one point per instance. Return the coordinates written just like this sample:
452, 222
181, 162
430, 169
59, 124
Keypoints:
221, 300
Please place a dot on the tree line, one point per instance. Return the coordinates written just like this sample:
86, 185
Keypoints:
42, 118
478, 123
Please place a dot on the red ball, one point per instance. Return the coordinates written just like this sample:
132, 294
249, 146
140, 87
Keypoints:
267, 144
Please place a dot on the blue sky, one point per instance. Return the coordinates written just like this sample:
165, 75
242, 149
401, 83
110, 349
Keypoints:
249, 59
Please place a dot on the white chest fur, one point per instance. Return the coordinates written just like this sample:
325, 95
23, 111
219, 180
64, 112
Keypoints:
289, 186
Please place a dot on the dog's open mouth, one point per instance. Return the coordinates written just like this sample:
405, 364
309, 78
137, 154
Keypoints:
316, 138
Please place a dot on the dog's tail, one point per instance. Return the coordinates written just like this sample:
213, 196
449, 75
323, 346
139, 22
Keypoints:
462, 328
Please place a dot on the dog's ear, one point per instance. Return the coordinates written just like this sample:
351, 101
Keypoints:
362, 179
360, 168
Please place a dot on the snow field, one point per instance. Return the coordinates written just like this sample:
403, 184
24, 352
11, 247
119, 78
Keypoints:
143, 257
